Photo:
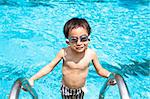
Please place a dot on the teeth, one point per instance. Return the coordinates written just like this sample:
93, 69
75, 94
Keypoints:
79, 47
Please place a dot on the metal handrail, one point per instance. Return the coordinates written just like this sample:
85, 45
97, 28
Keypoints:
123, 89
19, 83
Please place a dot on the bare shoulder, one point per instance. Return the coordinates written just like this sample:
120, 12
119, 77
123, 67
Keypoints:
91, 52
61, 52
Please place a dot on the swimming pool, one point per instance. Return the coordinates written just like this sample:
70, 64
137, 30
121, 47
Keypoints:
31, 33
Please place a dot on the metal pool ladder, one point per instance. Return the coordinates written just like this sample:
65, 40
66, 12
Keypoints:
19, 83
124, 93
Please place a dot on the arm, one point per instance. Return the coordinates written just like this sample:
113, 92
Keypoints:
48, 68
100, 70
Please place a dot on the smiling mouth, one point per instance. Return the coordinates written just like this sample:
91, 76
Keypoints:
79, 48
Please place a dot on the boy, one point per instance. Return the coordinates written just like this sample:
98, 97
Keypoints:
76, 58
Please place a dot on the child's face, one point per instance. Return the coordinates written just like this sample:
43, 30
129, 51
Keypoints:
78, 39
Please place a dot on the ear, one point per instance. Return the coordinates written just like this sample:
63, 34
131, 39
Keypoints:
67, 41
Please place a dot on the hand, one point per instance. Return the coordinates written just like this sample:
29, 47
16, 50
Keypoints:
31, 82
25, 84
112, 82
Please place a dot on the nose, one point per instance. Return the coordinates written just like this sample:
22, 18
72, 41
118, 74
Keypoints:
78, 42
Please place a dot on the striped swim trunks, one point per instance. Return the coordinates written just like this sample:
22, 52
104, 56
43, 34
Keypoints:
68, 93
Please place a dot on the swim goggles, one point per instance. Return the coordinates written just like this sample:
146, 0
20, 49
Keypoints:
74, 39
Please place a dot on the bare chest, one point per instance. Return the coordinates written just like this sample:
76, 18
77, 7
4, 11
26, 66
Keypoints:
76, 63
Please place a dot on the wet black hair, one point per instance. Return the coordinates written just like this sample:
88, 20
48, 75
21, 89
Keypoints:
75, 23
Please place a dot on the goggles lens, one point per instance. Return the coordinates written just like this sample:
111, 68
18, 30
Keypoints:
83, 38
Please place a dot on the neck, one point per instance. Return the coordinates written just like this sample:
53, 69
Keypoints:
77, 53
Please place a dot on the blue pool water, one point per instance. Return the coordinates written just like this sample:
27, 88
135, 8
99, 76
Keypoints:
31, 33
